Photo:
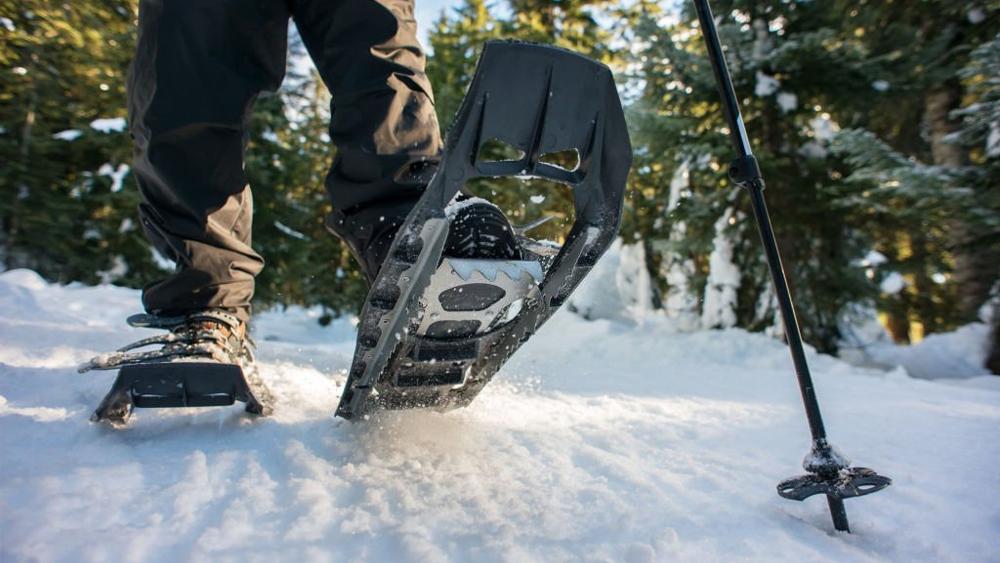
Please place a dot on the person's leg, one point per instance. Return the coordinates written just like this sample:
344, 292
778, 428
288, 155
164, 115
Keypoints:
383, 122
199, 65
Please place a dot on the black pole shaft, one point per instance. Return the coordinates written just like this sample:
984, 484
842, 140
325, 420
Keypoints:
730, 105
755, 185
747, 174
787, 308
839, 514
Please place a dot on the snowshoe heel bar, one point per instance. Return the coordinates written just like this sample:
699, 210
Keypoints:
177, 384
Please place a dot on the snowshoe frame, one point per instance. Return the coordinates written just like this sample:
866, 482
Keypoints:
538, 99
179, 384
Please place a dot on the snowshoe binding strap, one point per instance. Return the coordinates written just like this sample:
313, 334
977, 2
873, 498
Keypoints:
537, 100
200, 334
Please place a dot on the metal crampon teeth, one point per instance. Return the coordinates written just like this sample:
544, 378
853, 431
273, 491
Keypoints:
473, 296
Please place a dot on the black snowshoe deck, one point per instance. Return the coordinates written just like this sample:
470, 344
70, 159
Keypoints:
434, 330
179, 384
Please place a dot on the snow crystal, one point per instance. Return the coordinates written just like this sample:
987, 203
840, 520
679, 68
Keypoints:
7, 24
108, 124
455, 205
823, 128
117, 175
680, 303
289, 231
814, 150
161, 261
893, 283
537, 198
679, 182
117, 270
719, 308
873, 258
976, 15
126, 225
68, 135
880, 85
993, 140
787, 101
766, 85
633, 280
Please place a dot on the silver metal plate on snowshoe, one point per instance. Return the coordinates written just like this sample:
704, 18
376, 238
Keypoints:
468, 296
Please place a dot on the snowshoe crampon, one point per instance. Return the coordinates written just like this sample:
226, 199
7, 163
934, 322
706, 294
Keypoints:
434, 329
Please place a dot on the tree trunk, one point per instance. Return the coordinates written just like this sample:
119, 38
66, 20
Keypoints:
974, 269
993, 359
975, 265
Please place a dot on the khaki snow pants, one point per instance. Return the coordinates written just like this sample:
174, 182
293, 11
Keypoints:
198, 67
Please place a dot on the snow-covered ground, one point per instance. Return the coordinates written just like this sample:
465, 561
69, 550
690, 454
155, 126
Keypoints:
601, 441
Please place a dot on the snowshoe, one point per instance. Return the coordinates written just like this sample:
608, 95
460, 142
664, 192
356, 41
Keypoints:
439, 322
206, 359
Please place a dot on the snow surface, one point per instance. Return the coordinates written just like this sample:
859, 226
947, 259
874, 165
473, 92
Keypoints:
958, 354
600, 441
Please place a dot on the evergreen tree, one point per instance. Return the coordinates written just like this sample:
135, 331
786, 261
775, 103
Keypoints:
456, 41
67, 204
678, 119
929, 223
980, 134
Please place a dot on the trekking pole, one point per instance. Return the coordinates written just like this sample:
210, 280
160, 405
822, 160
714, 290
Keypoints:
829, 471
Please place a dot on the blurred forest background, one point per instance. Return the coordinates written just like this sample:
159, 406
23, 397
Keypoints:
877, 124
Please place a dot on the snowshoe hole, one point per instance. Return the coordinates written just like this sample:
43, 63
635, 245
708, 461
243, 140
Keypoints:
543, 206
497, 150
568, 159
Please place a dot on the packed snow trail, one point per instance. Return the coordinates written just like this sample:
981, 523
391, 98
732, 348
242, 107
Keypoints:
600, 441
